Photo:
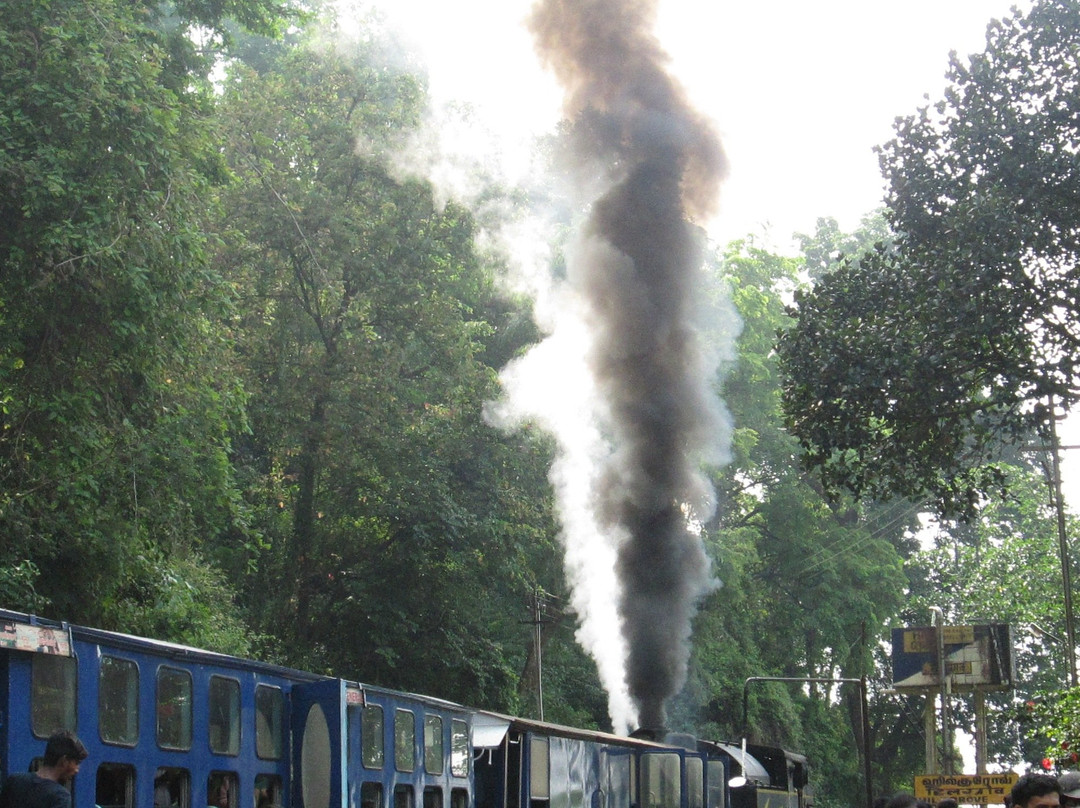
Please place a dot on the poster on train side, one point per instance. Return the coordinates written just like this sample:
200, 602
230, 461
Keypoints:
39, 639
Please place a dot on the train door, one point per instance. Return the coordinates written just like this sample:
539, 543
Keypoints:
318, 719
496, 763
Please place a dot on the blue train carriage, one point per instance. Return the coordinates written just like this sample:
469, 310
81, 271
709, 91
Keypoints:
406, 751
174, 727
763, 776
521, 763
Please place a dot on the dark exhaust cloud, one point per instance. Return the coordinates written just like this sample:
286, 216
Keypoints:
649, 166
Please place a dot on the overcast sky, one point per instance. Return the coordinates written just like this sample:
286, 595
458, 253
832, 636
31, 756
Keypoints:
800, 92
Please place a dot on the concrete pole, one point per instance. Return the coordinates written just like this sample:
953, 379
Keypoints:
1063, 544
930, 731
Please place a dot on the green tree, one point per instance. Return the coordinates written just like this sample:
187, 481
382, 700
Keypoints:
808, 585
115, 416
911, 365
402, 535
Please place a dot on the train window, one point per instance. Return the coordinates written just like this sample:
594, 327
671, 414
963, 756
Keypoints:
616, 792
660, 784
403, 797
459, 798
267, 791
118, 701
269, 722
459, 748
433, 745
371, 795
404, 741
433, 797
371, 730
695, 782
115, 786
221, 790
52, 694
173, 708
172, 788
224, 716
539, 770
717, 778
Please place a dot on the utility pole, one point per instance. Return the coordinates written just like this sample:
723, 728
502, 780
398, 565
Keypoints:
1063, 542
946, 691
538, 646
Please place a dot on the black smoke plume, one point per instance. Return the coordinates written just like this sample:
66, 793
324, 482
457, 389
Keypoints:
658, 164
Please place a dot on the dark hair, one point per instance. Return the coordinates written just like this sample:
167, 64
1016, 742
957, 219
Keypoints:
902, 799
64, 744
1033, 785
947, 802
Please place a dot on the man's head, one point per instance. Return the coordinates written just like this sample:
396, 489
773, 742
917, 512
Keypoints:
1036, 791
64, 752
1069, 783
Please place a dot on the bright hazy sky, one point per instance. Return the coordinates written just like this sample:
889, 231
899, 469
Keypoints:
800, 92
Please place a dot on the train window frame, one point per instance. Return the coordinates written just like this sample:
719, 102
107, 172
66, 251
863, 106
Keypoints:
213, 783
124, 776
432, 797
127, 706
185, 703
177, 782
270, 787
617, 787
404, 741
434, 744
371, 794
717, 775
459, 798
372, 737
661, 780
54, 694
404, 796
539, 768
695, 781
459, 748
229, 743
269, 724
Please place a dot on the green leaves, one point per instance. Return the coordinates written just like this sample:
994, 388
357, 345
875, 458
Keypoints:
117, 415
912, 365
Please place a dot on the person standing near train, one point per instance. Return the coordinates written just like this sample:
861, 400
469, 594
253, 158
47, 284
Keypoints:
1036, 790
46, 787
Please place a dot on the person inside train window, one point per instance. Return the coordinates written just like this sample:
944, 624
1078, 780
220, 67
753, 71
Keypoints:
217, 792
48, 786
162, 797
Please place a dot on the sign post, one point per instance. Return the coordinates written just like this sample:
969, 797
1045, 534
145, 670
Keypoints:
948, 660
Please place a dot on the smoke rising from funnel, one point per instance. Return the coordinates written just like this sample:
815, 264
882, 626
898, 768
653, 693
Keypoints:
635, 268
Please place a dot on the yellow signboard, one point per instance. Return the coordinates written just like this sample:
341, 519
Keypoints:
970, 789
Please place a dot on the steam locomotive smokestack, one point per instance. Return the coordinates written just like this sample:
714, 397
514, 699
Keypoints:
648, 165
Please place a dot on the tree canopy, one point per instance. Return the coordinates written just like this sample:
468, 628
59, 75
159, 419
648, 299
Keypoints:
913, 363
243, 365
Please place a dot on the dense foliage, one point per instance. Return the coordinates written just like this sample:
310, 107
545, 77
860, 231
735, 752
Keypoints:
243, 365
913, 363
932, 365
